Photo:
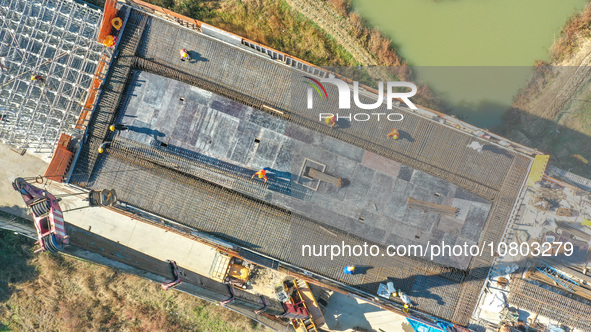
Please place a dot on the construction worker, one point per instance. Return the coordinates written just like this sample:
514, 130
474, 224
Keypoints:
38, 78
118, 126
103, 146
184, 54
406, 300
262, 174
331, 122
393, 134
350, 270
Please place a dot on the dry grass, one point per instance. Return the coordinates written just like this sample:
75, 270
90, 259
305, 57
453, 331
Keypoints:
371, 38
577, 26
277, 25
73, 295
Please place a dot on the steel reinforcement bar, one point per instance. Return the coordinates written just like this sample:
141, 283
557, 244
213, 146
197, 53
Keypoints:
267, 229
570, 311
479, 188
110, 99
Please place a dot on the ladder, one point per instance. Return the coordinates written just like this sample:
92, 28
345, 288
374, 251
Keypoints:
559, 277
220, 265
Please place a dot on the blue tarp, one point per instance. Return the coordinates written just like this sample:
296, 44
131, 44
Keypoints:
422, 327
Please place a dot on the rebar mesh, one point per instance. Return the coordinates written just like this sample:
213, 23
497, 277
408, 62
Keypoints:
168, 186
54, 39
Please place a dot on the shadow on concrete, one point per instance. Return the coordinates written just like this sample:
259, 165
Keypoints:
342, 124
234, 240
279, 174
196, 57
497, 150
362, 269
146, 131
15, 211
345, 313
278, 181
405, 136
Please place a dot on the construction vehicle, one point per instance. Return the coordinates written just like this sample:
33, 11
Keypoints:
284, 290
47, 216
238, 273
176, 276
300, 298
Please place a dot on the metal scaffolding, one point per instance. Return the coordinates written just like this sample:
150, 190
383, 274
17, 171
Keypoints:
55, 39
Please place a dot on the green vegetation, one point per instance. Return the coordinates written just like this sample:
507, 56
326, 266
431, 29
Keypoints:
47, 292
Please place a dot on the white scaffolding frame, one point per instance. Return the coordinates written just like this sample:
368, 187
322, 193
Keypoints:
56, 39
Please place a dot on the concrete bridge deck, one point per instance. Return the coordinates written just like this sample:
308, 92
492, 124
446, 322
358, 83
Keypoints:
145, 181
372, 205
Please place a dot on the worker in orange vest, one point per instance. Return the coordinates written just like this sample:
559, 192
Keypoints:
184, 54
394, 134
332, 121
262, 174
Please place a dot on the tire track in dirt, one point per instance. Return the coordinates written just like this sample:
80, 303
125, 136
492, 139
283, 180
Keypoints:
328, 20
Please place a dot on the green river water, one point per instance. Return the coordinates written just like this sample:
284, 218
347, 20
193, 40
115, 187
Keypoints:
476, 54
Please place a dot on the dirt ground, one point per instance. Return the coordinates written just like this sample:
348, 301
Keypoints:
263, 281
555, 118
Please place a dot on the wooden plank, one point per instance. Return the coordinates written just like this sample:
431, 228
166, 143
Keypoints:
432, 207
316, 174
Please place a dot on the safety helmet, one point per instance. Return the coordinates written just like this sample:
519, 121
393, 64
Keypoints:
405, 306
112, 127
185, 55
32, 77
101, 150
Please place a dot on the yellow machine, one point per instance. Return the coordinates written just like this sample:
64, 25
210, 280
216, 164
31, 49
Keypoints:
581, 159
238, 273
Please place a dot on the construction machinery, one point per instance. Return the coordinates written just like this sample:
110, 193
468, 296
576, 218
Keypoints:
47, 216
176, 276
238, 273
296, 294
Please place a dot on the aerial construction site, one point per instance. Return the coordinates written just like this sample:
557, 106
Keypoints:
165, 147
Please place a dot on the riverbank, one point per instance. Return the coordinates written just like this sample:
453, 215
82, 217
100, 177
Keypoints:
553, 111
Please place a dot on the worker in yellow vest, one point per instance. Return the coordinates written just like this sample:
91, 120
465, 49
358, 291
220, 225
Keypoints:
406, 300
103, 146
184, 54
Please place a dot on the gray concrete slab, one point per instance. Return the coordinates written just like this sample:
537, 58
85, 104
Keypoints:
348, 313
372, 203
